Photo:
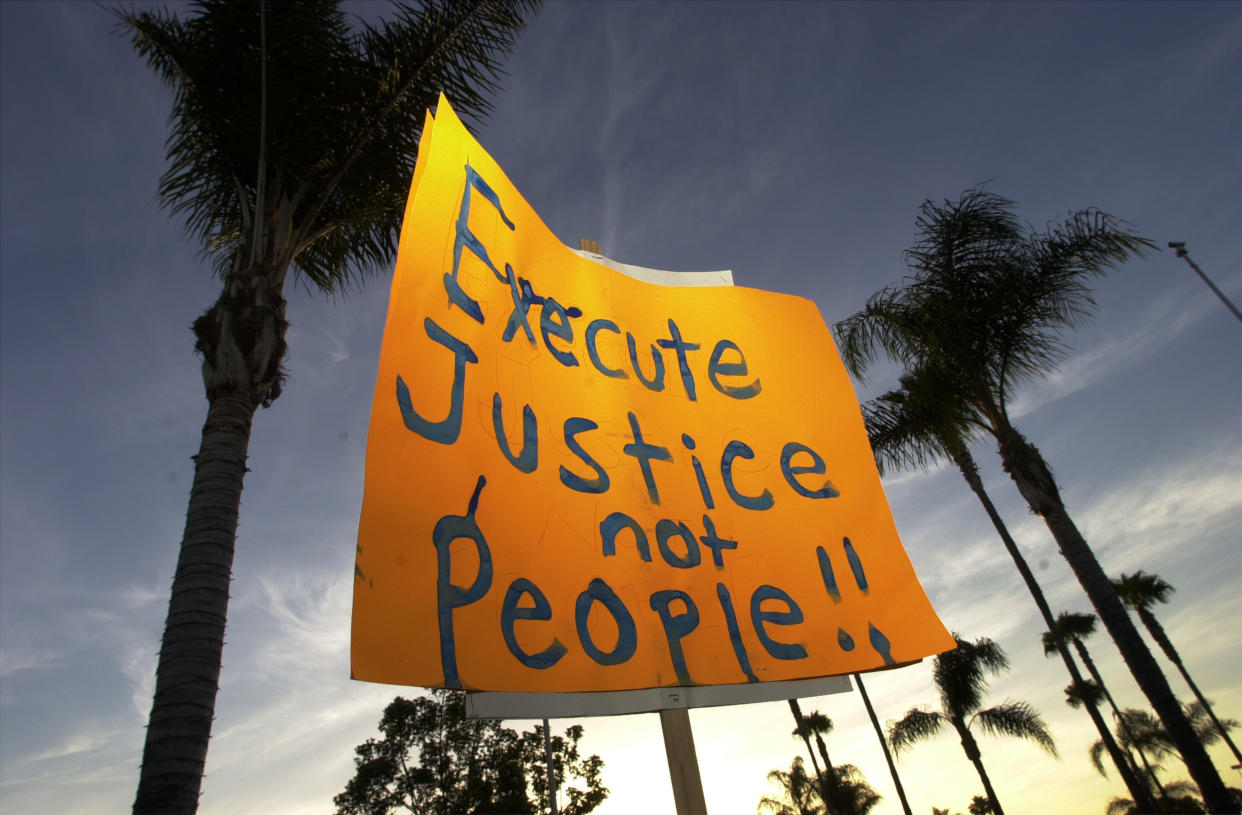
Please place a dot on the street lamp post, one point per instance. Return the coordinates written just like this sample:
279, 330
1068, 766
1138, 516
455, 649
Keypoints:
1180, 246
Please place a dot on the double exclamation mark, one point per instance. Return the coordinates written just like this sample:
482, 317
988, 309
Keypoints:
878, 641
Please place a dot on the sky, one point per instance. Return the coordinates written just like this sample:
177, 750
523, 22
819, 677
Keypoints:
792, 143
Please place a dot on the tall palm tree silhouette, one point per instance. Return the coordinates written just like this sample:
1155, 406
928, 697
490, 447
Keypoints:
960, 677
925, 420
1075, 628
879, 734
989, 302
1141, 592
293, 139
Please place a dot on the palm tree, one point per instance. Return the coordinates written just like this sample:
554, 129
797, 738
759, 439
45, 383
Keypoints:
819, 725
802, 796
1209, 728
1140, 592
798, 795
979, 806
1092, 693
1177, 798
879, 734
803, 732
843, 789
960, 676
989, 302
1140, 732
851, 792
1075, 628
293, 139
925, 420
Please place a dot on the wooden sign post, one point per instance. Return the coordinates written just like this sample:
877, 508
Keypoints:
683, 761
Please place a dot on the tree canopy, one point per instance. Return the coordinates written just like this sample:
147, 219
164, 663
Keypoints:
293, 136
431, 760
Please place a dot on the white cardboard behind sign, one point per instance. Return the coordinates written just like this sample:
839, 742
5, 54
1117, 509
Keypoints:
495, 705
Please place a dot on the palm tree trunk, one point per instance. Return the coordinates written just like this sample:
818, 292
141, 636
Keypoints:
1140, 793
1034, 480
242, 342
972, 753
188, 673
830, 781
796, 709
1085, 656
1157, 633
888, 756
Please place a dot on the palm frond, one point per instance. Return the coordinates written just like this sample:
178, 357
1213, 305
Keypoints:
885, 322
1142, 590
1180, 789
342, 116
1119, 806
1202, 723
1088, 691
984, 298
1076, 625
917, 725
1143, 731
920, 422
817, 723
1096, 752
798, 792
1018, 719
960, 674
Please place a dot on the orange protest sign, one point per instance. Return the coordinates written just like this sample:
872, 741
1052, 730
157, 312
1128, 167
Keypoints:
579, 481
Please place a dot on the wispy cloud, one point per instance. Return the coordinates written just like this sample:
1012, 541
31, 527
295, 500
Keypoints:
1164, 319
25, 656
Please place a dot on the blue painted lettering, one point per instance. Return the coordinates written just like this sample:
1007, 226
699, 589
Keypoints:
738, 449
446, 430
512, 611
680, 347
554, 322
676, 627
666, 529
816, 467
627, 636
573, 427
612, 525
717, 368
735, 633
714, 542
593, 328
791, 616
528, 459
643, 453
656, 383
464, 238
450, 596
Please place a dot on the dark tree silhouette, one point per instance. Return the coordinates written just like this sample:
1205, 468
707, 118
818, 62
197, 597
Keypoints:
926, 420
431, 760
1141, 592
960, 677
292, 142
989, 301
797, 796
879, 734
1075, 628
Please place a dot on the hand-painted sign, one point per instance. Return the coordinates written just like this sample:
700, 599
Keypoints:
579, 481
